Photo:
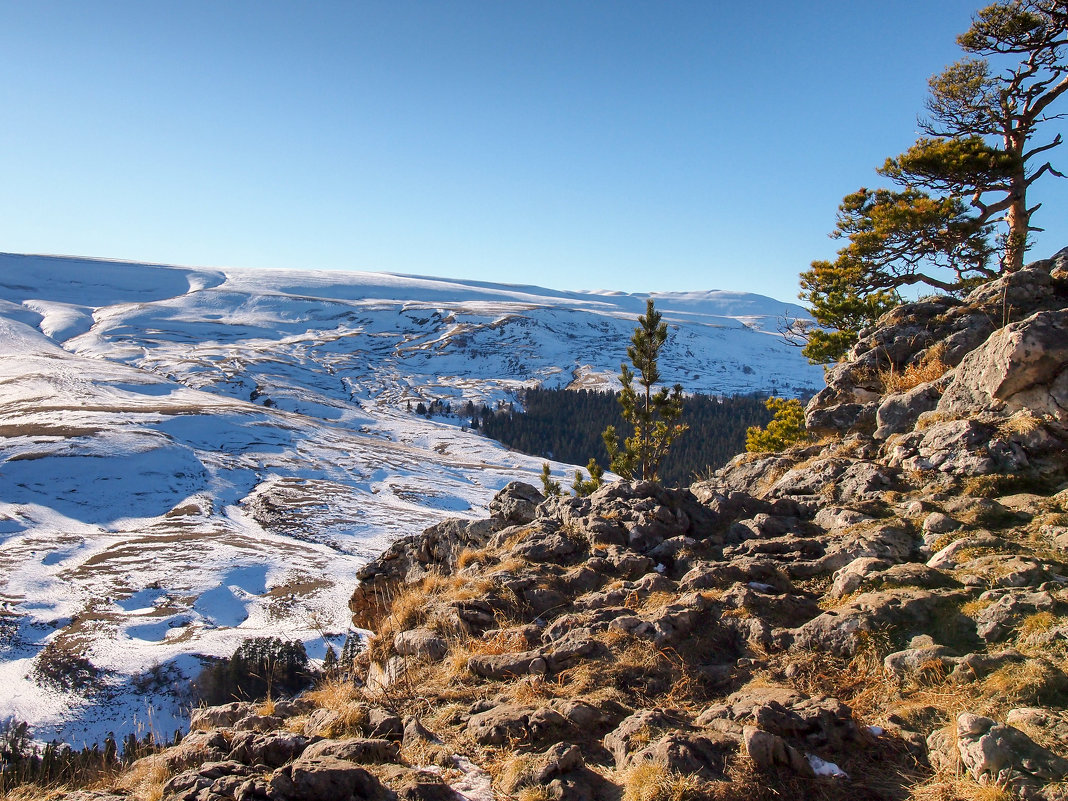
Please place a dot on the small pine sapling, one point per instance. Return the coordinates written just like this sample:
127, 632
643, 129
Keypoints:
584, 487
549, 487
654, 414
787, 427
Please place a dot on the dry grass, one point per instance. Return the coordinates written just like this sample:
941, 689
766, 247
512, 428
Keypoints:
534, 794
536, 690
33, 792
651, 602
1022, 423
144, 779
930, 367
973, 608
958, 788
473, 556
514, 772
347, 701
653, 781
1029, 683
1038, 623
932, 418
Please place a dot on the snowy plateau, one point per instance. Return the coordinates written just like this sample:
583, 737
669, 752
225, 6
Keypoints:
192, 457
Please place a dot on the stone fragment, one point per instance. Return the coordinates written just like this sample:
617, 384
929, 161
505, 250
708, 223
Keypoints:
420, 642
769, 751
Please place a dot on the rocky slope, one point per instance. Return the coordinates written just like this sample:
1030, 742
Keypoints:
882, 613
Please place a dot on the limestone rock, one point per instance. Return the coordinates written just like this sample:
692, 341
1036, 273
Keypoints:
219, 717
326, 777
899, 413
516, 503
362, 751
1023, 365
272, 749
997, 621
1001, 754
910, 611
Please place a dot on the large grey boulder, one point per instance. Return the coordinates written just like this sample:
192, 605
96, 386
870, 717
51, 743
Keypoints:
1023, 365
960, 447
326, 777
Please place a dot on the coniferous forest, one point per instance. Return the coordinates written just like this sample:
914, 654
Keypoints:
566, 425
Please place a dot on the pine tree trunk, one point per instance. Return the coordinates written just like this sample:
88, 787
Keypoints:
1018, 220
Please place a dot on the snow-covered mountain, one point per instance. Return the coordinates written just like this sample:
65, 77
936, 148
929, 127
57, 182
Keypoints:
191, 457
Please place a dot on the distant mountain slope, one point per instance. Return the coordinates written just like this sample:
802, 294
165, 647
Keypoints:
190, 457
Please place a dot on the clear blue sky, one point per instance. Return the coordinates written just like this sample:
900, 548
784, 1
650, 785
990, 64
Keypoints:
653, 145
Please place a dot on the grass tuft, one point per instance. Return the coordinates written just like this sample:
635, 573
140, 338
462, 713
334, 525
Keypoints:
653, 781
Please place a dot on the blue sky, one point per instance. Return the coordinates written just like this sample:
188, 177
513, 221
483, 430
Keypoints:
625, 145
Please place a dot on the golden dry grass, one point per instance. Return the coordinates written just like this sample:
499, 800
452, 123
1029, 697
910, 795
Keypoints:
33, 792
653, 781
930, 367
1022, 423
1037, 623
943, 787
534, 794
347, 701
144, 779
514, 772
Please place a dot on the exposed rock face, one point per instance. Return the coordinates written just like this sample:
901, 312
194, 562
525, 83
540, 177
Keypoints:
1006, 340
792, 621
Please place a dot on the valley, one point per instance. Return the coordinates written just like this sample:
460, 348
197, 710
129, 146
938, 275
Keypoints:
192, 457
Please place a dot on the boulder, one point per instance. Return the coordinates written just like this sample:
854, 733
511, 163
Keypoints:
210, 779
516, 503
811, 721
769, 751
220, 717
997, 621
504, 666
326, 777
500, 725
999, 754
1022, 365
907, 611
420, 642
271, 749
360, 750
899, 413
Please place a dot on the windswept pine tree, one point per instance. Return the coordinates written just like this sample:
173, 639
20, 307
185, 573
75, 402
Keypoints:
961, 212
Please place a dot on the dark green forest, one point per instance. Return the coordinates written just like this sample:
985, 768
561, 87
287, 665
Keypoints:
566, 425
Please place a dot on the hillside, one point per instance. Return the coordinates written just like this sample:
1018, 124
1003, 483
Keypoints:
191, 457
881, 613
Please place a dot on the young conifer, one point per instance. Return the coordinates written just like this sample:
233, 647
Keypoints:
587, 486
549, 487
654, 414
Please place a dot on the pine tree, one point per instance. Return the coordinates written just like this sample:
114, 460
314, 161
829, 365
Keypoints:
785, 429
330, 660
654, 414
549, 487
584, 487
